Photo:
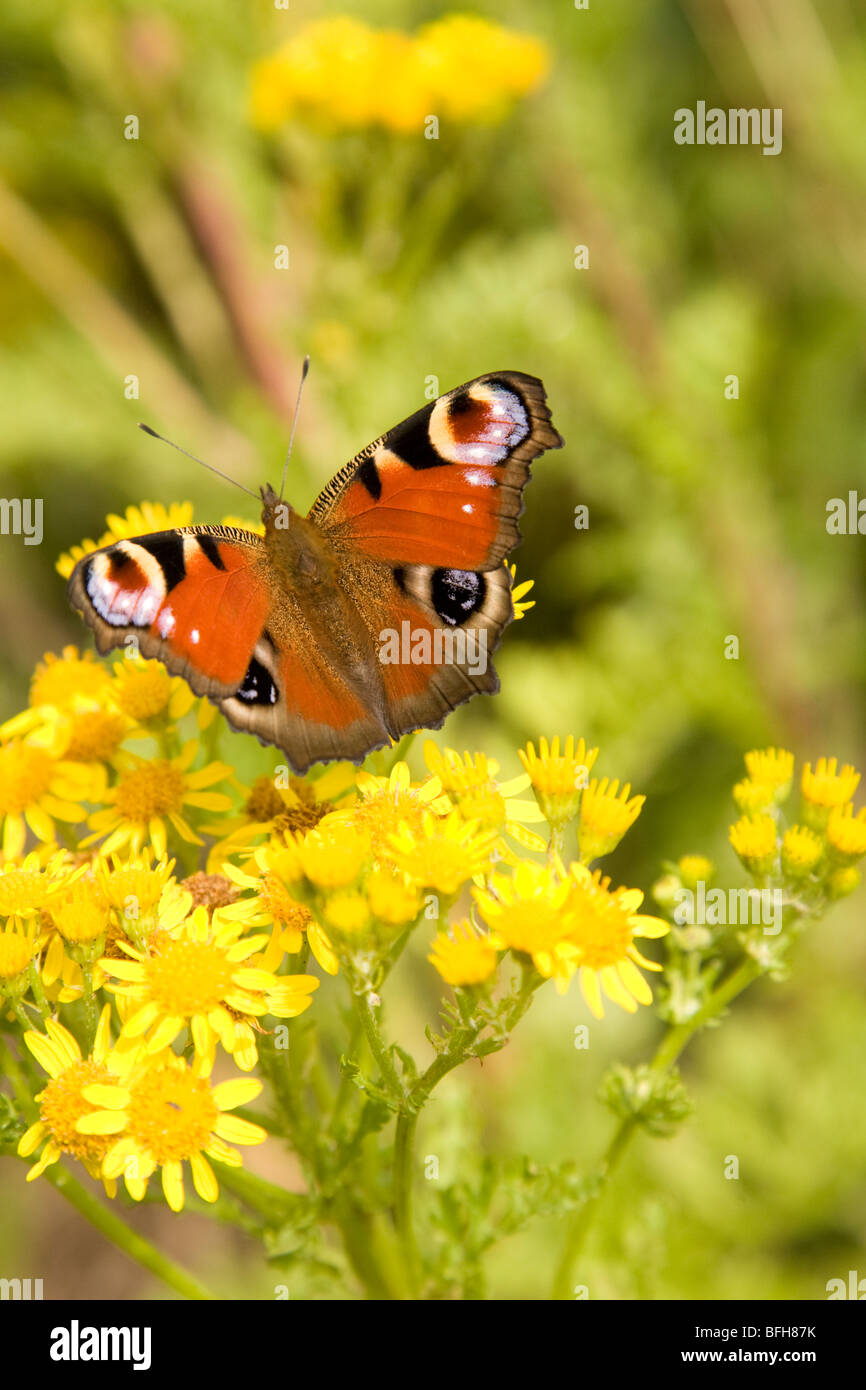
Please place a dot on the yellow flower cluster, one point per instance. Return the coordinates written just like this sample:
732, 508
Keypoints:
829, 839
341, 74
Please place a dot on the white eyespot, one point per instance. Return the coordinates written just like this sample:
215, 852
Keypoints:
166, 623
499, 424
194, 636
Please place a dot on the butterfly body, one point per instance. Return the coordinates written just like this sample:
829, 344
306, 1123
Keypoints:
294, 633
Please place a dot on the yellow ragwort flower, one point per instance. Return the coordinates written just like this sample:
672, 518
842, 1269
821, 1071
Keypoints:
27, 889
61, 681
774, 767
333, 855
393, 900
81, 915
695, 869
137, 521
133, 887
151, 791
518, 593
476, 69
843, 881
524, 913
846, 834
274, 907
754, 839
197, 975
558, 778
62, 1104
341, 74
347, 912
824, 789
602, 926
753, 797
272, 807
463, 955
386, 803
447, 852
606, 813
470, 782
802, 851
19, 945
144, 690
37, 789
164, 1114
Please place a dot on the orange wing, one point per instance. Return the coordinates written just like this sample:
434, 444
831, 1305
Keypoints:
194, 598
444, 488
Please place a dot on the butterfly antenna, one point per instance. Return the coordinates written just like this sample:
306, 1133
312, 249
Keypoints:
209, 466
304, 370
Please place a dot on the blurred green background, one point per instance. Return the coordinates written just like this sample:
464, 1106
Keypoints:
411, 258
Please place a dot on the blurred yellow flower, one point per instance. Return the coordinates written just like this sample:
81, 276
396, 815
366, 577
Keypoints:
59, 681
606, 813
774, 767
558, 777
752, 797
843, 881
26, 889
137, 521
846, 834
144, 690
36, 789
392, 898
341, 74
470, 782
526, 914
802, 851
754, 839
81, 915
695, 869
463, 955
444, 854
476, 69
602, 926
330, 856
824, 789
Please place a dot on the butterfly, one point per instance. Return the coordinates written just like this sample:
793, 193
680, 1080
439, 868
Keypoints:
372, 616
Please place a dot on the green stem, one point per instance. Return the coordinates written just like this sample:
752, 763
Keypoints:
272, 1203
381, 1055
672, 1044
23, 1089
130, 1242
91, 1009
404, 1154
367, 1243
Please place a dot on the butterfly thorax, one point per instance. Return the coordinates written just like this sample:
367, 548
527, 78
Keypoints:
296, 547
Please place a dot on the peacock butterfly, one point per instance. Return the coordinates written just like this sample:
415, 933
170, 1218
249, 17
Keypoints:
285, 632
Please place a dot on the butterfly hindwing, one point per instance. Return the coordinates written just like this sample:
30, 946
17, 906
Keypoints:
433, 630
444, 487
